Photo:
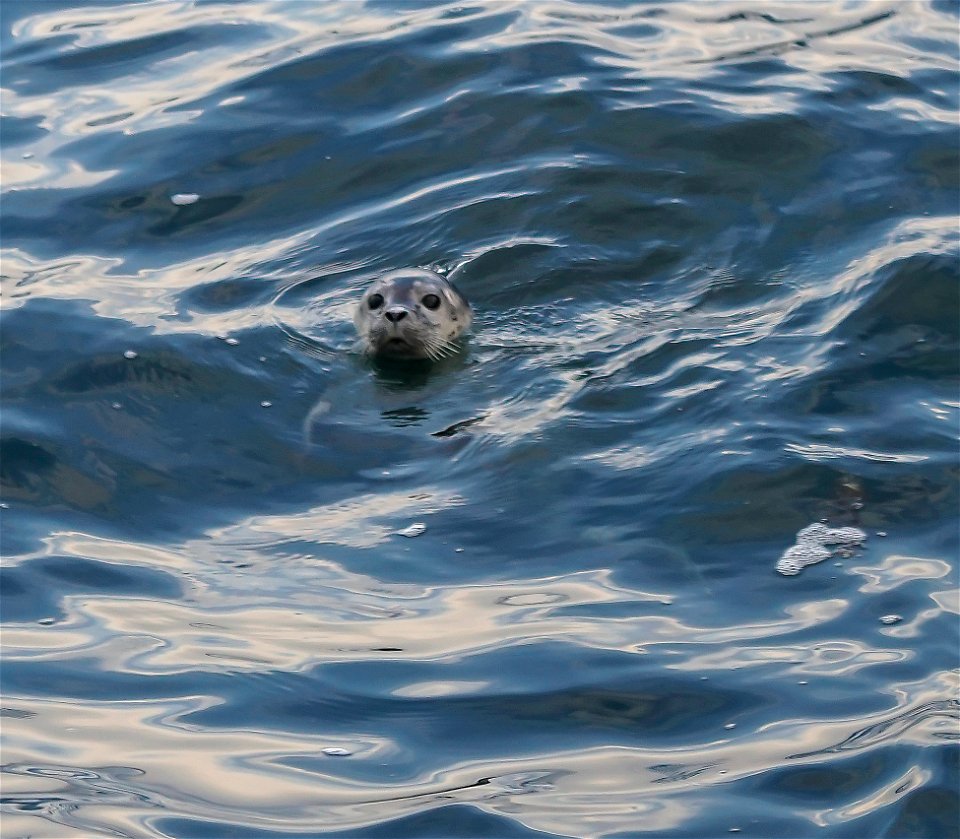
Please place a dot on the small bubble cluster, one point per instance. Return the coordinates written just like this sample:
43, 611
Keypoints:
812, 546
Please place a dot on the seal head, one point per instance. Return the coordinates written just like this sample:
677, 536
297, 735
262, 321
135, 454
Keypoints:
412, 313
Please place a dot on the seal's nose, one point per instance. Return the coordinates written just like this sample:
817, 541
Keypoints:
395, 314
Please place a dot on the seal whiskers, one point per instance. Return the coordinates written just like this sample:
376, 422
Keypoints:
441, 348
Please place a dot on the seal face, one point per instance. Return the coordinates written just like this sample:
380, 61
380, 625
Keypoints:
412, 313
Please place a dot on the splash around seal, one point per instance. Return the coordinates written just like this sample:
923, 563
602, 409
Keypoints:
412, 313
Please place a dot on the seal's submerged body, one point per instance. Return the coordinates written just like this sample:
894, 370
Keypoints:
412, 313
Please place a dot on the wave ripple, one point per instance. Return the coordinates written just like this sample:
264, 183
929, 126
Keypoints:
714, 258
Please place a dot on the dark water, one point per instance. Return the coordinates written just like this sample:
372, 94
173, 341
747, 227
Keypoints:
713, 254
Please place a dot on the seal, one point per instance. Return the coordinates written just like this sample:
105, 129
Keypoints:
412, 313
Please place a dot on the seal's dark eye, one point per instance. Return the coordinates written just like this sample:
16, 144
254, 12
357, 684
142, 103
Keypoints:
431, 301
375, 301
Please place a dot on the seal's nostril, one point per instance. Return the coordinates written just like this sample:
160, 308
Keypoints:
393, 315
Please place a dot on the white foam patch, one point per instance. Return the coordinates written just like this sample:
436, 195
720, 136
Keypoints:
811, 546
413, 530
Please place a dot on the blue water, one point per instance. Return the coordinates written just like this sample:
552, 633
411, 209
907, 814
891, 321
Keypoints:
713, 254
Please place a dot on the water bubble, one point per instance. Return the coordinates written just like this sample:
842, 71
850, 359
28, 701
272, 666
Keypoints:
807, 553
788, 567
130, 354
813, 533
845, 536
181, 199
263, 358
415, 529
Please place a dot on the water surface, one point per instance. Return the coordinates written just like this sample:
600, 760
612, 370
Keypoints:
712, 250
